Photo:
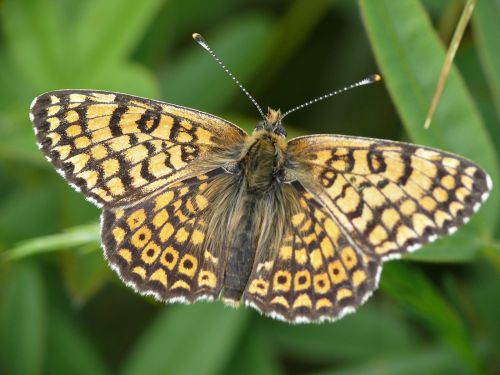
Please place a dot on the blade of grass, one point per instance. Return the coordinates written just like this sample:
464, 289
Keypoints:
197, 339
22, 321
409, 55
486, 32
450, 55
73, 237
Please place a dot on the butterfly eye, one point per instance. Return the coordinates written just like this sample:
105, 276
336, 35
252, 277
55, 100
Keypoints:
280, 130
261, 125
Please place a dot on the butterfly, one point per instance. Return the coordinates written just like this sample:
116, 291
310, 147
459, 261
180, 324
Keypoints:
195, 209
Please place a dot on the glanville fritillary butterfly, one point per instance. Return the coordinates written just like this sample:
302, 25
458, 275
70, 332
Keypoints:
195, 208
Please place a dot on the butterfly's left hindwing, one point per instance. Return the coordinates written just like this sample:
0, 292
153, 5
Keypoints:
117, 148
315, 274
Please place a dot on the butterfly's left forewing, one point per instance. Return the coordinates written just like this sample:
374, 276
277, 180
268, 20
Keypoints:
388, 197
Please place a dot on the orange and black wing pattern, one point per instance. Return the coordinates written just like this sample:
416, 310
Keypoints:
159, 247
317, 274
149, 165
389, 197
117, 148
362, 202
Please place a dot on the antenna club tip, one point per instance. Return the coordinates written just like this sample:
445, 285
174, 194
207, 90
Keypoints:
376, 78
199, 39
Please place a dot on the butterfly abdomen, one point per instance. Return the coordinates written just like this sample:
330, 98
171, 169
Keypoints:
241, 254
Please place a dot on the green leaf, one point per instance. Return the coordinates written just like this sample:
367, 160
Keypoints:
413, 290
14, 208
68, 50
84, 273
481, 294
462, 246
410, 57
290, 32
22, 320
176, 21
12, 83
130, 78
486, 32
73, 237
472, 69
69, 351
195, 339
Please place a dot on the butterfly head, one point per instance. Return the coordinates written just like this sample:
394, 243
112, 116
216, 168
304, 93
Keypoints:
272, 123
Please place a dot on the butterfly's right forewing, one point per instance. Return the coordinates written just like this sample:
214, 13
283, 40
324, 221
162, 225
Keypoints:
117, 148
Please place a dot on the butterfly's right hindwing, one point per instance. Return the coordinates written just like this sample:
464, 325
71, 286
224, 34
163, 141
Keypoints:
117, 148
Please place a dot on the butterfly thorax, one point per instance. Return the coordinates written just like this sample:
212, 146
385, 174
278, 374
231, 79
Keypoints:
264, 154
261, 164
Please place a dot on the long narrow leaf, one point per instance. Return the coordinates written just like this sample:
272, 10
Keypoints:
487, 31
185, 340
410, 56
22, 321
78, 236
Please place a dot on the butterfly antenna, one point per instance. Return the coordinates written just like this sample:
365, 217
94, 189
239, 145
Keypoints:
202, 42
367, 81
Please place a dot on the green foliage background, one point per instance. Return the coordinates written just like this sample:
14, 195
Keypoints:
63, 311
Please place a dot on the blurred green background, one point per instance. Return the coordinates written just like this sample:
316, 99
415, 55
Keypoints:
63, 311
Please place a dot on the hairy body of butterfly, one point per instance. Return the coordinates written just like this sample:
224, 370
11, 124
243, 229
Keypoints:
194, 208
257, 175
